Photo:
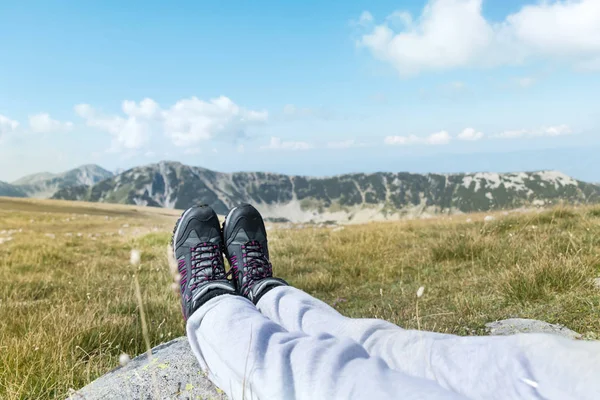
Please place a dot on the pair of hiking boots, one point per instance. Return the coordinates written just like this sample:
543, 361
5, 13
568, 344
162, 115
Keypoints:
198, 245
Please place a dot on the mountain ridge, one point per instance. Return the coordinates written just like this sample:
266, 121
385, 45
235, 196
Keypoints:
345, 197
46, 184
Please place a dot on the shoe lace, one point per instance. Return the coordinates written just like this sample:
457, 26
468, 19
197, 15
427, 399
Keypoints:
207, 264
256, 266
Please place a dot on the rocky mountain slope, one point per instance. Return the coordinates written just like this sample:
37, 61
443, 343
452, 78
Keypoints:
45, 184
351, 197
8, 190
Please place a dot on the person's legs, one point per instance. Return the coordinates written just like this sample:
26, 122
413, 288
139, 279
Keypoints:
477, 367
244, 351
246, 354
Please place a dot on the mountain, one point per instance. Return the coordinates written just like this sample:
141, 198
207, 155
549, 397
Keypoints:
34, 178
45, 184
8, 190
356, 197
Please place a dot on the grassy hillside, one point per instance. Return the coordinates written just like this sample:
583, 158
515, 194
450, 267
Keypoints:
68, 307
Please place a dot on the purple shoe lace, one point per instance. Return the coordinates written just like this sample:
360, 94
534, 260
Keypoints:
207, 264
256, 266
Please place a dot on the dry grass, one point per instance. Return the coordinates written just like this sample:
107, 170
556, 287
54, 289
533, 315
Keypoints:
68, 304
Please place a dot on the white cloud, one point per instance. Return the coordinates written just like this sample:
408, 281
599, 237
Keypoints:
438, 138
442, 137
187, 122
402, 140
131, 132
147, 108
365, 18
558, 28
7, 125
550, 131
42, 123
192, 120
470, 134
277, 144
454, 33
448, 34
558, 130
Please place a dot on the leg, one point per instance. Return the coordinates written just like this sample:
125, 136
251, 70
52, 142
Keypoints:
476, 367
246, 352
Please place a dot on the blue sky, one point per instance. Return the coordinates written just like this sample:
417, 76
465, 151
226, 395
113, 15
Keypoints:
310, 87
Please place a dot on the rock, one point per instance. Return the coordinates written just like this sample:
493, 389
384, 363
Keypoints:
522, 325
596, 283
178, 376
489, 218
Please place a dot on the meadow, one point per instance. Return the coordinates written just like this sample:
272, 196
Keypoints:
68, 306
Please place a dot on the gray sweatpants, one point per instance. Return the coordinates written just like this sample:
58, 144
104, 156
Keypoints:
297, 347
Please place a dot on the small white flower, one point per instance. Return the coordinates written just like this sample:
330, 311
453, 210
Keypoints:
420, 291
135, 257
175, 287
489, 218
124, 359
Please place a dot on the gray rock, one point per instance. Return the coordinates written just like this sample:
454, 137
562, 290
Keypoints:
178, 376
522, 325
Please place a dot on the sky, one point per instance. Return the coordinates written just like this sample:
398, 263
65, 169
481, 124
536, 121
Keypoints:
301, 87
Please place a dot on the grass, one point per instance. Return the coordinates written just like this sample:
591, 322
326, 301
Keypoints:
68, 305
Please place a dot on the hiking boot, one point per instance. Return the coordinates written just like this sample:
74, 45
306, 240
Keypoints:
246, 249
197, 246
